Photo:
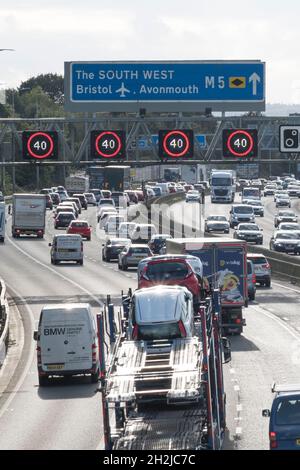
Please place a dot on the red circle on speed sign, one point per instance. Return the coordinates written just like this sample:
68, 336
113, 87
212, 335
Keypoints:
115, 137
244, 134
169, 151
44, 136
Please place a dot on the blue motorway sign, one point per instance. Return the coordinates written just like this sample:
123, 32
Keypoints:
165, 86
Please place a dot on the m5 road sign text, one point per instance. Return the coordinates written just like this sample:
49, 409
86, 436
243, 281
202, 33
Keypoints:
164, 86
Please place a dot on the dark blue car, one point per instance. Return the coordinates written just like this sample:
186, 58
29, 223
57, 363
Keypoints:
284, 428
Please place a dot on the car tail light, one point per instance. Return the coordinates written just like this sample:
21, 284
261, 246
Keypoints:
182, 329
273, 441
94, 351
238, 321
135, 332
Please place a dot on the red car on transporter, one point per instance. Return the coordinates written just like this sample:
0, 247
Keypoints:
171, 271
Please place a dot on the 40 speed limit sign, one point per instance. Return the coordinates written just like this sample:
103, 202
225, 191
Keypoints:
40, 145
176, 143
241, 143
108, 144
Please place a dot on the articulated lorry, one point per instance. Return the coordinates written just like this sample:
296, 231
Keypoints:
222, 186
163, 387
2, 221
28, 215
225, 267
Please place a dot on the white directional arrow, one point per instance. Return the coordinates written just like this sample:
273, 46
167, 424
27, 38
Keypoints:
255, 79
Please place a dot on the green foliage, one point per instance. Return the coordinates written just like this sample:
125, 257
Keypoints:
50, 83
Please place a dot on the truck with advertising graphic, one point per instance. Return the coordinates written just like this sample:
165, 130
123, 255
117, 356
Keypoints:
225, 267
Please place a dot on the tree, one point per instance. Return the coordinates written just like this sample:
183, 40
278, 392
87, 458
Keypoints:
51, 84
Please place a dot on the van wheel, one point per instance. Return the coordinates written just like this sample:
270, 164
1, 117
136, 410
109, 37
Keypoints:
43, 381
95, 377
124, 268
80, 262
268, 283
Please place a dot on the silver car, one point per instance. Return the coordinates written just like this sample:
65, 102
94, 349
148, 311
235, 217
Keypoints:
132, 255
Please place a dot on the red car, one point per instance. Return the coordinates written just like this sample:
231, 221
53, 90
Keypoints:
81, 227
175, 271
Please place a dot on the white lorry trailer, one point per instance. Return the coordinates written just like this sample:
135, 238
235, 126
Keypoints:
28, 216
77, 184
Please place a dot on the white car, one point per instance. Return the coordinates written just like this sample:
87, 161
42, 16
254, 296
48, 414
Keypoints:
192, 196
104, 216
91, 199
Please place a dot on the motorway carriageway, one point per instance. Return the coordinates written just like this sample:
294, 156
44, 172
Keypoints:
67, 414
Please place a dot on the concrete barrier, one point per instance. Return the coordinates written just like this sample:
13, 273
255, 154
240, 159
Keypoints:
4, 321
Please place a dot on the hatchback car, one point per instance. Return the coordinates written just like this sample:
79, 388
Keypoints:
257, 207
283, 200
192, 196
249, 232
82, 200
132, 255
97, 194
91, 199
142, 233
170, 271
63, 219
284, 425
49, 202
81, 227
241, 213
161, 312
55, 198
113, 247
262, 268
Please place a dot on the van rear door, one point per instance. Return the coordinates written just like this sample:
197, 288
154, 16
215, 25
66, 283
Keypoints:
68, 247
66, 339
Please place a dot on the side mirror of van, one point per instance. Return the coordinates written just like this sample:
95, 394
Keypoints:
35, 335
226, 349
49, 244
266, 413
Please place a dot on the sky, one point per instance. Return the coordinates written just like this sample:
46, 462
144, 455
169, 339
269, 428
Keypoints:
45, 34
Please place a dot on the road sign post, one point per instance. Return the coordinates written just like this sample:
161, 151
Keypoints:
165, 86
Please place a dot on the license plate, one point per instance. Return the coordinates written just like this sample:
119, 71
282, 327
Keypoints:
55, 366
297, 442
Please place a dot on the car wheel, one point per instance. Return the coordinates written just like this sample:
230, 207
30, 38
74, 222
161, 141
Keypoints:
124, 268
43, 381
120, 266
88, 239
80, 262
268, 283
107, 259
252, 297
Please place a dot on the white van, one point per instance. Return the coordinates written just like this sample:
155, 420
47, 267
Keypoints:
67, 342
67, 247
2, 221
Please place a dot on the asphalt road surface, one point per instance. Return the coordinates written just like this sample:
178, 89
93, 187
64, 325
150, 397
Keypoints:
67, 414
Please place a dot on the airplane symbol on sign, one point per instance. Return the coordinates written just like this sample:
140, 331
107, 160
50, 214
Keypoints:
122, 91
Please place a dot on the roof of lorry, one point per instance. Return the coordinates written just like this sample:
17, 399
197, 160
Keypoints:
67, 307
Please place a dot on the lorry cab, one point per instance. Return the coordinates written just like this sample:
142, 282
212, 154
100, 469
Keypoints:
2, 221
284, 425
66, 247
161, 312
67, 342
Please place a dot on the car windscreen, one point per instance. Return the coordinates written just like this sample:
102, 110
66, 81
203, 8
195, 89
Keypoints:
166, 270
159, 331
248, 227
226, 181
289, 227
287, 236
259, 260
219, 218
243, 210
139, 251
250, 192
286, 214
65, 216
287, 412
79, 224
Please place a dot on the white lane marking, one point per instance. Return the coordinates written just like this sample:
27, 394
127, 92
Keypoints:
236, 388
238, 431
239, 407
232, 371
285, 287
285, 319
261, 310
31, 354
49, 268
